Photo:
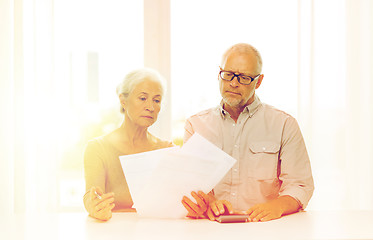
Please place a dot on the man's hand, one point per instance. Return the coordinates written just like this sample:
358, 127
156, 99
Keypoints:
207, 206
100, 204
273, 209
220, 207
196, 210
264, 212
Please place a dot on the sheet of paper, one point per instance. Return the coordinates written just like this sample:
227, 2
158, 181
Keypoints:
139, 169
201, 147
159, 179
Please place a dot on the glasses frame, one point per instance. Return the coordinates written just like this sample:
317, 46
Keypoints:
238, 76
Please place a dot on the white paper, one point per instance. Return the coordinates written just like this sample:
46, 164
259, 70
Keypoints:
138, 169
159, 179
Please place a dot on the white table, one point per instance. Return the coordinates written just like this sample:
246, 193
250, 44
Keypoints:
303, 225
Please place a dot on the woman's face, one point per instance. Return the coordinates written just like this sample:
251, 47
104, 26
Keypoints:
143, 103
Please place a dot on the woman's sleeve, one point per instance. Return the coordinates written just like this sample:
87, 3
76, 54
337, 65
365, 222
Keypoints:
94, 168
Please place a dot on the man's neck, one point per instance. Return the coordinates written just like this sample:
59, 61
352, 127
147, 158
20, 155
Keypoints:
235, 111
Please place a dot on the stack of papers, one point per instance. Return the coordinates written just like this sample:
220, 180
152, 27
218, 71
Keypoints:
159, 179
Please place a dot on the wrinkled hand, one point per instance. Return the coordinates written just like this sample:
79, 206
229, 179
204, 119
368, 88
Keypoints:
196, 210
100, 207
265, 212
220, 207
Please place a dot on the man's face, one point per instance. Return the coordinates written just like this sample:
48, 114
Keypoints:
235, 94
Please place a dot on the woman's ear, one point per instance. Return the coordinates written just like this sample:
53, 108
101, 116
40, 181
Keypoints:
122, 101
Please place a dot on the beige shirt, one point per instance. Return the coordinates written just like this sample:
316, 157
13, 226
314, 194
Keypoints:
271, 155
102, 168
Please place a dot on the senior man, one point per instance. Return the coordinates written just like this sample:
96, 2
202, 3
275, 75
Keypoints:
272, 176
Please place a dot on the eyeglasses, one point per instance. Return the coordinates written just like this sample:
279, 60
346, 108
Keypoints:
241, 78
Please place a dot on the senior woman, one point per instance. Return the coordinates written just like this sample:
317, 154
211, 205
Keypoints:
140, 95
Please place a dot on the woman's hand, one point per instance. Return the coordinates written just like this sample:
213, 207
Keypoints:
100, 204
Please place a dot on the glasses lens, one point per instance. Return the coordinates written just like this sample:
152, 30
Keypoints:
226, 75
245, 79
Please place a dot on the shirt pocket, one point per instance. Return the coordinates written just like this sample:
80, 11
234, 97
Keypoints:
263, 160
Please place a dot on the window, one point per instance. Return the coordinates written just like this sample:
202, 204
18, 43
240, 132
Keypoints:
200, 33
63, 59
96, 44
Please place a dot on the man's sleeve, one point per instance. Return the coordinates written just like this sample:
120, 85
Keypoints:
188, 130
296, 174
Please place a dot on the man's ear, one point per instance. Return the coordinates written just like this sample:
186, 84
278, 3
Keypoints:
260, 79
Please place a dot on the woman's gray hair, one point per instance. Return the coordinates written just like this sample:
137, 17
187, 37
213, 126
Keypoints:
133, 78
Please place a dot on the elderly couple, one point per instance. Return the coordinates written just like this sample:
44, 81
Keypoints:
271, 178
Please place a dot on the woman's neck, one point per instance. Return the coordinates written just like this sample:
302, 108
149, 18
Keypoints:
134, 135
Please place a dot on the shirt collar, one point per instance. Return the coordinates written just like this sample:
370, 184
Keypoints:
249, 109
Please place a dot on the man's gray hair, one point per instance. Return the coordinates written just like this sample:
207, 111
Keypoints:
246, 49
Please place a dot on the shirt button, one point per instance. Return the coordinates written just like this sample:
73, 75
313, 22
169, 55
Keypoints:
233, 194
236, 146
264, 148
233, 124
235, 170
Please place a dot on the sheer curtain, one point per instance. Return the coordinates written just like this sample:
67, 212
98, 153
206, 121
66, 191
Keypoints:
31, 125
60, 63
334, 101
6, 107
359, 111
27, 106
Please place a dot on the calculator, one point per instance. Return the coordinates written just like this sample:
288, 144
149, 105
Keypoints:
232, 218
